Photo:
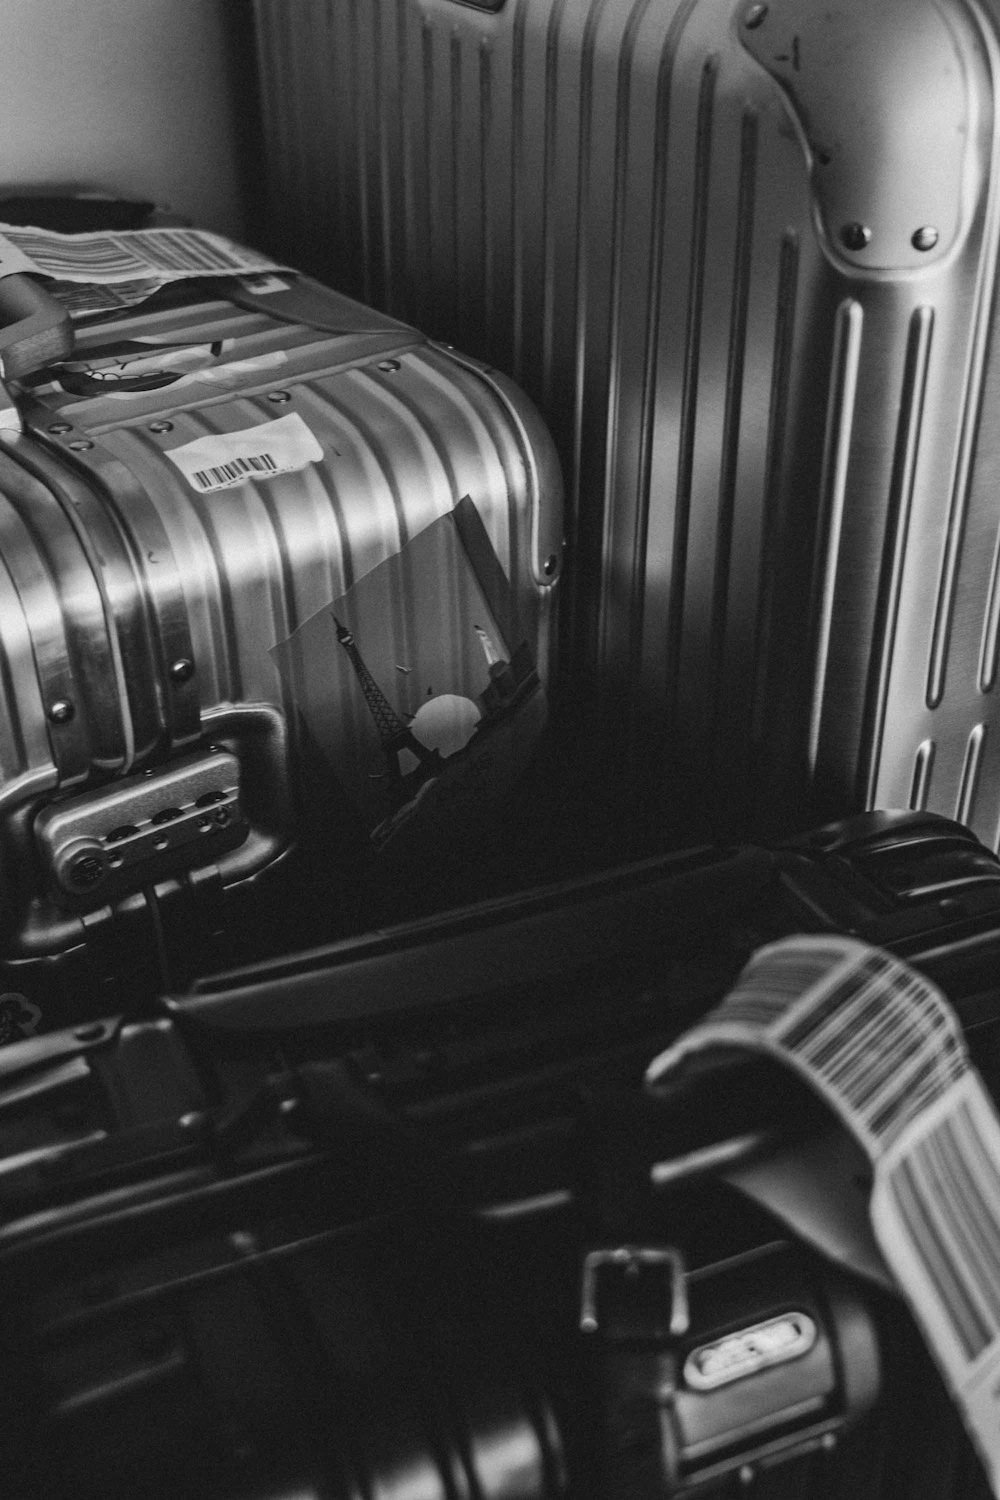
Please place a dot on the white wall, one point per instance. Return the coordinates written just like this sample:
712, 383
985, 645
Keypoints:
138, 96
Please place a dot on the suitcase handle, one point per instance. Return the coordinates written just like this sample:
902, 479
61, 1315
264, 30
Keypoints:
35, 330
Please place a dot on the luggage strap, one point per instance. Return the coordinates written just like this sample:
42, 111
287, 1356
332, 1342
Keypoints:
633, 1302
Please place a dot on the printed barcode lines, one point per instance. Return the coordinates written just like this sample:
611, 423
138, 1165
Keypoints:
100, 254
219, 475
171, 252
946, 1190
185, 250
778, 979
882, 1041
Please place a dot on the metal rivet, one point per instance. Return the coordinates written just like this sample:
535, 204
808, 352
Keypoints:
389, 366
61, 711
925, 238
93, 1033
162, 426
60, 427
280, 397
754, 17
550, 564
81, 445
182, 670
856, 236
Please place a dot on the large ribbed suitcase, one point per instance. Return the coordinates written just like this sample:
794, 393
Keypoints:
276, 575
743, 256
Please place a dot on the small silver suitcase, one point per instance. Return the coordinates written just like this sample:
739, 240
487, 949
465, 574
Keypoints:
743, 256
254, 549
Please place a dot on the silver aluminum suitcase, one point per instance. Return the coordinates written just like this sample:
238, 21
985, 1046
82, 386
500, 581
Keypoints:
245, 540
743, 256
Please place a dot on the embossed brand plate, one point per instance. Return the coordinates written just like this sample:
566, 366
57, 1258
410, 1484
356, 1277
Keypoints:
772, 1342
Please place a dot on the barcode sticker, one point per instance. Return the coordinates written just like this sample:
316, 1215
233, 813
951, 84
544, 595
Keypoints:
226, 459
882, 1046
102, 272
935, 1210
165, 254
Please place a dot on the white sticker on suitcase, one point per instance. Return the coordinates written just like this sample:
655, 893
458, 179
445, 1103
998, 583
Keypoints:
226, 459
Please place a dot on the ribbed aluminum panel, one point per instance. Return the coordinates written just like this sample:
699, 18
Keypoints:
403, 439
141, 616
780, 519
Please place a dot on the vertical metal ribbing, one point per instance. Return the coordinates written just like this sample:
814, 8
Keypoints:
908, 434
651, 350
732, 421
833, 492
359, 112
616, 330
386, 125
428, 155
458, 289
571, 606
487, 255
408, 166
781, 367
991, 627
13, 720
549, 191
920, 783
517, 185
971, 769
974, 376
689, 397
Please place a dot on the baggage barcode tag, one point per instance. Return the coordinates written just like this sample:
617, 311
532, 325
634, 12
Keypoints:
223, 460
121, 256
108, 271
883, 1048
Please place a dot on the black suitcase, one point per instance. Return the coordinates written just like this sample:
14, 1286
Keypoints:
323, 1227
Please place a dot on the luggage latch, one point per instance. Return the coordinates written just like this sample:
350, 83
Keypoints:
634, 1292
119, 837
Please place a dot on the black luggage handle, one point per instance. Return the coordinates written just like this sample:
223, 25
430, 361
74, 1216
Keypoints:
35, 329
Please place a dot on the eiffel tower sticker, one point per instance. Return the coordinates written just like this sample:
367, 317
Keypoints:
394, 735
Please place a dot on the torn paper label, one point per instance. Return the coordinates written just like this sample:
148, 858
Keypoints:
166, 254
114, 270
223, 460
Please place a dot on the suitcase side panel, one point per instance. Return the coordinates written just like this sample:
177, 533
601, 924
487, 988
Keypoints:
672, 264
208, 590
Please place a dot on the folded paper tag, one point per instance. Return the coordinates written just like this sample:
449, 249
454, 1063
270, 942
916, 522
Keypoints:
883, 1048
98, 272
